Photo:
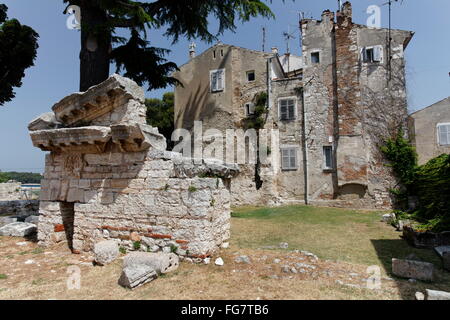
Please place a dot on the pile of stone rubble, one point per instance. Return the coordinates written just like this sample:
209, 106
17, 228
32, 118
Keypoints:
138, 268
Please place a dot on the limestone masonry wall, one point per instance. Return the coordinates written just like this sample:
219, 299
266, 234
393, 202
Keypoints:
113, 179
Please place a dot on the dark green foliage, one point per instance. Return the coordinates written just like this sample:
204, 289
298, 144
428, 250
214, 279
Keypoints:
18, 48
402, 157
3, 177
432, 188
160, 114
134, 55
258, 119
136, 245
23, 177
429, 184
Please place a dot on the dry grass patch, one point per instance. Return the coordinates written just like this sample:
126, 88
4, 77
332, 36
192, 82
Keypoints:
347, 242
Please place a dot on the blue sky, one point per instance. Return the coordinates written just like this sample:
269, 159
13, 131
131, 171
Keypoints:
56, 74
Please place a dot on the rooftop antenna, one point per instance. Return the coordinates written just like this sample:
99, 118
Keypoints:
288, 36
264, 38
389, 3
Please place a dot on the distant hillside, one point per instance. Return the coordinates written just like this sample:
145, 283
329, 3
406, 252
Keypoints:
24, 177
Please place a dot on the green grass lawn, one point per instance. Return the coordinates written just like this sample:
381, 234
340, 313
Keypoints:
330, 233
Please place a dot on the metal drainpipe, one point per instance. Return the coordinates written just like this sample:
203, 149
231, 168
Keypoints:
304, 146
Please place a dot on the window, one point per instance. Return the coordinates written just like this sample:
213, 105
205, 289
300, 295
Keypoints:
287, 109
328, 158
289, 158
249, 109
217, 80
315, 57
251, 76
372, 54
444, 134
221, 52
214, 54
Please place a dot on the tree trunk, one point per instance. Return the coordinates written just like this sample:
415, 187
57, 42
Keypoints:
95, 46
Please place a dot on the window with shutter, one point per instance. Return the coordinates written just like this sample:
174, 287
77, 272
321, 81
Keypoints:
217, 80
289, 158
444, 134
372, 54
287, 109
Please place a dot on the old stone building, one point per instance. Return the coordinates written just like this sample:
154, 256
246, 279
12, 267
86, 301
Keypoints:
332, 107
430, 130
108, 176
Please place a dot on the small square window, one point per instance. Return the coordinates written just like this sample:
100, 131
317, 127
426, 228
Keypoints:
249, 109
287, 109
251, 76
315, 57
328, 158
289, 158
372, 54
444, 134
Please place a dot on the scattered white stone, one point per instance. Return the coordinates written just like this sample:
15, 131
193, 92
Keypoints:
293, 270
413, 269
412, 281
207, 260
106, 252
304, 265
276, 261
137, 275
242, 259
162, 263
437, 295
283, 245
21, 244
225, 245
29, 262
32, 219
285, 269
18, 229
219, 262
420, 296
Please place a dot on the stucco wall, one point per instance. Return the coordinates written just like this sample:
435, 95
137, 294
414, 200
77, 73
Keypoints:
423, 126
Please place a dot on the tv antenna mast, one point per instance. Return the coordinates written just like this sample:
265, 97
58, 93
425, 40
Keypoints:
263, 39
287, 37
389, 3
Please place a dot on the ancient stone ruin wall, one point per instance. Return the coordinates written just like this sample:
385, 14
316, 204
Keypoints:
10, 191
113, 179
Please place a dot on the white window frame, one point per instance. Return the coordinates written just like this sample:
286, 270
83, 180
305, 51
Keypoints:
438, 126
325, 167
295, 108
292, 151
219, 88
374, 48
248, 107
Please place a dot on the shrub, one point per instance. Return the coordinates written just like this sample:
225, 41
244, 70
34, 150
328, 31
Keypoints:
429, 184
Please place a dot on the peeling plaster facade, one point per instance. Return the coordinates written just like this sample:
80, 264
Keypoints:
349, 96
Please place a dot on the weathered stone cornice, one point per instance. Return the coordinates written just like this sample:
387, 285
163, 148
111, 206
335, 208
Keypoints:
128, 138
82, 107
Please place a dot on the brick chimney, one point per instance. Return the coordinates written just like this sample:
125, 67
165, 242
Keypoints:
344, 16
